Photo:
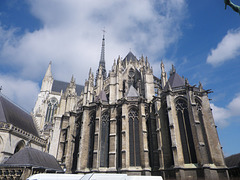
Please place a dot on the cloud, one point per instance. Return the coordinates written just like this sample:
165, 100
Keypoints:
227, 49
234, 106
220, 115
23, 92
223, 116
70, 36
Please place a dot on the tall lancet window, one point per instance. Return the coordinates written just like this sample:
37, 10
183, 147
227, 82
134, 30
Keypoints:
92, 117
52, 106
104, 139
188, 148
204, 134
134, 142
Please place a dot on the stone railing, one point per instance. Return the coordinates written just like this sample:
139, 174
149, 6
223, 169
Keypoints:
26, 135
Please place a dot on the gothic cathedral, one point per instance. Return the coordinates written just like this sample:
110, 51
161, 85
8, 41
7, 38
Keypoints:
130, 121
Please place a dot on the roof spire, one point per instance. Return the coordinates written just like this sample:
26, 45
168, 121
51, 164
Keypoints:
102, 59
49, 70
163, 75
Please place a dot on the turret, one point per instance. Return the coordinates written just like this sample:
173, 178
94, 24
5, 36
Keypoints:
47, 80
163, 75
71, 95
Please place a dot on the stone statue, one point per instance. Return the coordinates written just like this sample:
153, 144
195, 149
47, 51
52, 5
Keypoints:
233, 6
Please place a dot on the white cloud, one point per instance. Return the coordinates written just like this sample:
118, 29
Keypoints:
70, 37
23, 92
223, 116
227, 49
234, 106
220, 115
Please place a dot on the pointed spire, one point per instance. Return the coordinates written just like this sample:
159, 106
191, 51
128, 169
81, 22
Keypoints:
49, 70
72, 79
90, 73
102, 60
173, 70
186, 82
72, 82
200, 86
162, 67
48, 79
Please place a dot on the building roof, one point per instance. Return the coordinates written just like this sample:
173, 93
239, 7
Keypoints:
132, 92
60, 85
11, 113
102, 97
176, 81
233, 160
130, 56
33, 158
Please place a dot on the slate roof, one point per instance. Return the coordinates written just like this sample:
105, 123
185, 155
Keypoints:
130, 56
102, 97
60, 85
34, 158
176, 81
132, 92
11, 113
233, 160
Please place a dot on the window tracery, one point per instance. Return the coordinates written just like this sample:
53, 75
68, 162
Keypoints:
104, 139
188, 148
52, 106
134, 141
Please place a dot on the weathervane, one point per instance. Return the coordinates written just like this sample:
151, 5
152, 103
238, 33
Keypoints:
233, 6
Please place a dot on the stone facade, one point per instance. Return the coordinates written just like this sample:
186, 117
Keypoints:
17, 130
132, 122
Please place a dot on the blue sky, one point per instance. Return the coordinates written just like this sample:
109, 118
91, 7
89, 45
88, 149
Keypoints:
200, 38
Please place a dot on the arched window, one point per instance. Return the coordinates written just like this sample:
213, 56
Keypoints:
104, 139
134, 143
52, 106
188, 148
204, 134
20, 145
91, 139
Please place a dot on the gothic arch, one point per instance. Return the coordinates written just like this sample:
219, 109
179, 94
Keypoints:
180, 98
186, 136
198, 100
20, 145
104, 148
51, 107
134, 141
92, 117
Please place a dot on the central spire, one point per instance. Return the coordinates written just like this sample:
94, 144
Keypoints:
102, 60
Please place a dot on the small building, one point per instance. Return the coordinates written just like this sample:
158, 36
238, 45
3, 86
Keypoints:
17, 129
27, 162
233, 163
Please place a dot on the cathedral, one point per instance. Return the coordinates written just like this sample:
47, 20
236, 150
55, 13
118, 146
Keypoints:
130, 121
